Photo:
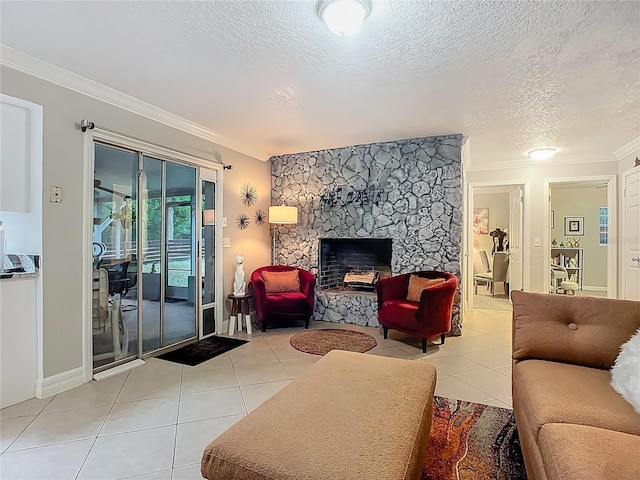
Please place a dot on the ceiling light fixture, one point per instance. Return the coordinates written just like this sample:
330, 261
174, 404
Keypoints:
343, 17
541, 153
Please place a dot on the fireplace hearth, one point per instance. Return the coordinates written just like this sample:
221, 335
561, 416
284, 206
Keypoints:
348, 263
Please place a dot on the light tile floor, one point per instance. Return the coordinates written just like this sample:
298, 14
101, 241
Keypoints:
154, 421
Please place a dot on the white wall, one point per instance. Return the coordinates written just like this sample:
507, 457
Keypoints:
583, 202
535, 214
63, 165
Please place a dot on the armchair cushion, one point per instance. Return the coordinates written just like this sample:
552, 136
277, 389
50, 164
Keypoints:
278, 282
288, 302
418, 284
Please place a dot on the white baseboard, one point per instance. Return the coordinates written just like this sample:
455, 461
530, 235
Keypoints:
46, 387
225, 328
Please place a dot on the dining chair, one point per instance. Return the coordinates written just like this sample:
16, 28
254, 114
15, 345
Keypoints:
498, 274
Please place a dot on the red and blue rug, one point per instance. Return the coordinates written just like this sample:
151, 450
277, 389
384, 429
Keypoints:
472, 441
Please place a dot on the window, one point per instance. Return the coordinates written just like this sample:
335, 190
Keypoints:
604, 226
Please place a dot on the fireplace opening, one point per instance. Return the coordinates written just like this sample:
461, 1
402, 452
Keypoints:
363, 261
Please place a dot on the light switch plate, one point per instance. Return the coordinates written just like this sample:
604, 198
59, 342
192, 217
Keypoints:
226, 242
537, 242
55, 194
224, 221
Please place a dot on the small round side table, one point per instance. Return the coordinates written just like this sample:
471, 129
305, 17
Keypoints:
240, 308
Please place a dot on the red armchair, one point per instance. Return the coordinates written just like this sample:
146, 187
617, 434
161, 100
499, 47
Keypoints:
296, 305
427, 318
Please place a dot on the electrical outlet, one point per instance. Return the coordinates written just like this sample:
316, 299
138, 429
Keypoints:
224, 221
226, 242
55, 194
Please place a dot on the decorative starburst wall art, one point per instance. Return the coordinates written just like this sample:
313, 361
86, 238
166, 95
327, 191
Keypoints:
242, 221
249, 194
260, 217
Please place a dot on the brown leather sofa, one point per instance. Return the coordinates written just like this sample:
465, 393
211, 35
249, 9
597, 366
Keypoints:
572, 424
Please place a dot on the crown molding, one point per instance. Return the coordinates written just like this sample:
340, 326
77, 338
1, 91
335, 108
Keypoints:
25, 63
631, 147
527, 163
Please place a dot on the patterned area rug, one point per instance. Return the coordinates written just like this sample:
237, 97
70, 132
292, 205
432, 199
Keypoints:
321, 342
471, 441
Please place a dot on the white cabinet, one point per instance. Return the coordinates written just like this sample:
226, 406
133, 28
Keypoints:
571, 259
18, 348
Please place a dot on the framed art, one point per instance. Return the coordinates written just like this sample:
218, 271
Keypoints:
573, 226
480, 221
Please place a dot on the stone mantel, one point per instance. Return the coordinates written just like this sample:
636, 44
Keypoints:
407, 190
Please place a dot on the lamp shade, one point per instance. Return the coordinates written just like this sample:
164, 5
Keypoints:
283, 214
208, 217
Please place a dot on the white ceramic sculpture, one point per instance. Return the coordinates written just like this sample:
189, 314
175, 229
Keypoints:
239, 284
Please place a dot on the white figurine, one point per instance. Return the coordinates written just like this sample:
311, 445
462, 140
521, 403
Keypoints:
239, 284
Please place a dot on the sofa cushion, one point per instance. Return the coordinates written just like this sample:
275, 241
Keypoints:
550, 392
578, 452
418, 284
572, 330
277, 282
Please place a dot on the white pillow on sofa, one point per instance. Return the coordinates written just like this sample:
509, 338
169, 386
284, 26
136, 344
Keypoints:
625, 374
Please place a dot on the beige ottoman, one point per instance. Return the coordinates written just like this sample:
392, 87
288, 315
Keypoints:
350, 416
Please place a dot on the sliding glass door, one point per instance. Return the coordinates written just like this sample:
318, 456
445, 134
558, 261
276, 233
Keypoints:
154, 266
114, 321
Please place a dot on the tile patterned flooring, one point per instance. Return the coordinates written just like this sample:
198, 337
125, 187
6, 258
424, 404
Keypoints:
154, 421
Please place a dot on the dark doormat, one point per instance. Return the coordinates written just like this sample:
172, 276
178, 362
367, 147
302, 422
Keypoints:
203, 350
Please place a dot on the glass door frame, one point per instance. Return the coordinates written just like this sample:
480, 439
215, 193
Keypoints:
213, 176
201, 165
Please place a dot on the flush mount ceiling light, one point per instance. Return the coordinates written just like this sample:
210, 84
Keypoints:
541, 153
343, 17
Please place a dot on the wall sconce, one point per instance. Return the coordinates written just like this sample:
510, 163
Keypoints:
281, 215
209, 217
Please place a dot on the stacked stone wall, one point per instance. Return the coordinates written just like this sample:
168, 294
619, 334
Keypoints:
407, 190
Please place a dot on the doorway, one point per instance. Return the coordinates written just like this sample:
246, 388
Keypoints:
154, 238
494, 245
582, 215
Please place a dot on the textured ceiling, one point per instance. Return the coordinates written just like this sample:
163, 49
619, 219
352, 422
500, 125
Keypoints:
512, 76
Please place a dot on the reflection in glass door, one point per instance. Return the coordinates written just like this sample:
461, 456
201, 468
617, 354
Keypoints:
114, 299
179, 320
168, 237
152, 260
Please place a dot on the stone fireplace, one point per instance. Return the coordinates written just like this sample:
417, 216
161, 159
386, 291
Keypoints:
338, 256
407, 192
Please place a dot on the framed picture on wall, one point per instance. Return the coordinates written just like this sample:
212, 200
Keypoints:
480, 221
573, 226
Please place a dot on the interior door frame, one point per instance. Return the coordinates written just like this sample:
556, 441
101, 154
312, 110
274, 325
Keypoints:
467, 270
623, 230
612, 246
161, 153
